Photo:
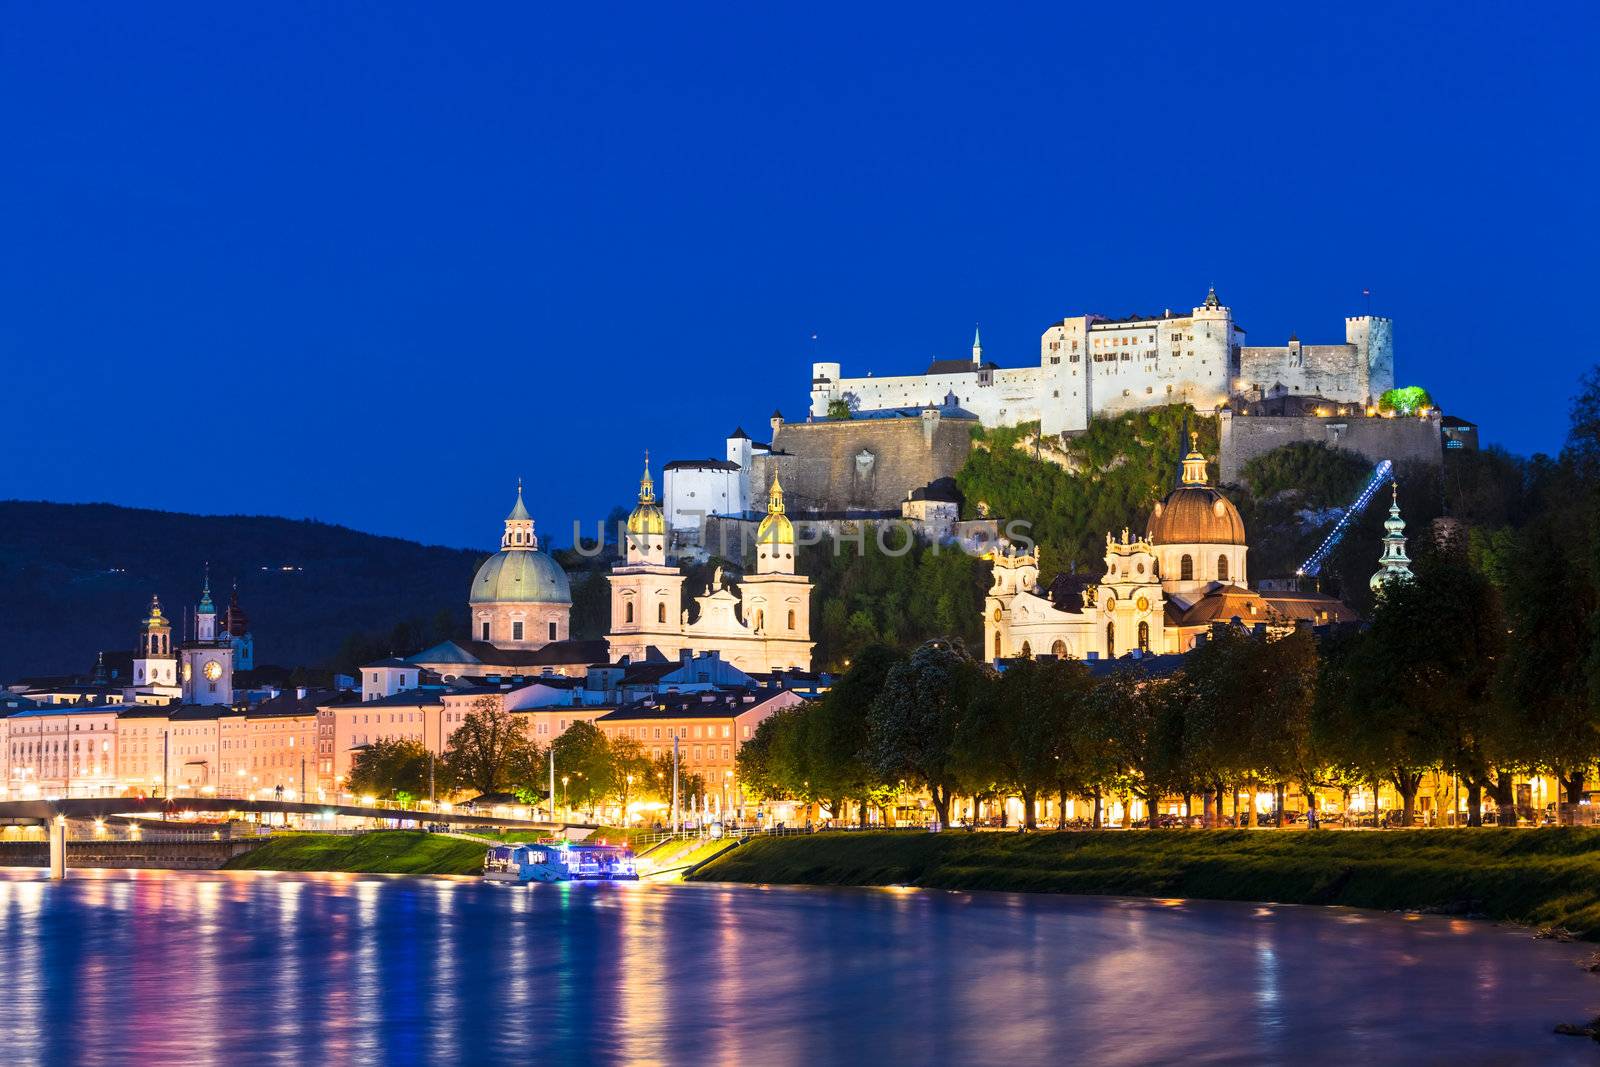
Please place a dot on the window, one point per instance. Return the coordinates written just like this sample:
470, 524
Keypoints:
661, 613
516, 630
1186, 568
1027, 650
791, 618
761, 618
1059, 649
996, 646
627, 612
1222, 568
1144, 637
485, 632
552, 629
1111, 641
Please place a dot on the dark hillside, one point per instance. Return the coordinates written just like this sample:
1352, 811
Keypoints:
77, 578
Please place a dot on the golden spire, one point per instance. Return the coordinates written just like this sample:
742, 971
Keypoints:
1194, 464
647, 487
775, 529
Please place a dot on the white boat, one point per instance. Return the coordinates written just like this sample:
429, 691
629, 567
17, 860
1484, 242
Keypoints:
560, 861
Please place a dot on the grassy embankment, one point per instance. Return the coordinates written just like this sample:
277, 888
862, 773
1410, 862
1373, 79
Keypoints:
1545, 877
381, 852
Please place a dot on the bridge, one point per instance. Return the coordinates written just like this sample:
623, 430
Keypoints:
43, 812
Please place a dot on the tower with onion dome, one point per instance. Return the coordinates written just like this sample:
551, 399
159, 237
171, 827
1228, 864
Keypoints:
1394, 565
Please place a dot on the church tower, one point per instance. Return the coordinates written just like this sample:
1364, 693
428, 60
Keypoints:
775, 601
155, 663
206, 662
646, 593
1394, 564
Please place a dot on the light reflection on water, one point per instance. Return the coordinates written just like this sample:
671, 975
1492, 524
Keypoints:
242, 968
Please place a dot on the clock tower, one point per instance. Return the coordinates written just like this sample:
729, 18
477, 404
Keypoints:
205, 663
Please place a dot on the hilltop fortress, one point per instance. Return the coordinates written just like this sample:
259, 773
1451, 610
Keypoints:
1091, 366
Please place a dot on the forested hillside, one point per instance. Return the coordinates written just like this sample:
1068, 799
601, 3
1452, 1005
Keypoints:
77, 578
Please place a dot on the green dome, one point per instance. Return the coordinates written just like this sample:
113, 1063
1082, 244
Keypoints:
520, 576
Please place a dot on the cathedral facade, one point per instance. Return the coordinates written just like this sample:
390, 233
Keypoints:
761, 625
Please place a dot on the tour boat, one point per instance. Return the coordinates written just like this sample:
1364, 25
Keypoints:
560, 861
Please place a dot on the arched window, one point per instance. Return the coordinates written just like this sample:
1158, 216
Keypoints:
1144, 637
1186, 568
661, 613
791, 618
1222, 568
627, 612
761, 618
1111, 638
1059, 650
1027, 650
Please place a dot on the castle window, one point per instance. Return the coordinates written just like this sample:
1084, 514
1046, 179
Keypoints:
1186, 568
1222, 568
1144, 637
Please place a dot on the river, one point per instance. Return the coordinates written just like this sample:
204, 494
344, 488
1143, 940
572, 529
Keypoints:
118, 967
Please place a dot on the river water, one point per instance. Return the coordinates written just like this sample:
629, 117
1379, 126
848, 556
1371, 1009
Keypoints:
120, 967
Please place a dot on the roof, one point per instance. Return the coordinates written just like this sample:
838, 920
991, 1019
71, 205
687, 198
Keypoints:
484, 654
520, 576
720, 704
1225, 605
1196, 514
1149, 666
289, 704
959, 366
701, 464
1314, 607
940, 489
391, 662
406, 698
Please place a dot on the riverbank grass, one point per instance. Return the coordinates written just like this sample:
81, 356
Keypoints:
380, 852
1548, 877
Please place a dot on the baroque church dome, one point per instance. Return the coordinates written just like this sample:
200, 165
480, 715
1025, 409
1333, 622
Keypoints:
519, 573
776, 528
1195, 513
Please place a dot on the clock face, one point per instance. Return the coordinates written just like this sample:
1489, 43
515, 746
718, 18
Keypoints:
213, 670
188, 670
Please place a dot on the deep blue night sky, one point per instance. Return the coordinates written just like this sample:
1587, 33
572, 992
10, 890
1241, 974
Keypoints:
368, 264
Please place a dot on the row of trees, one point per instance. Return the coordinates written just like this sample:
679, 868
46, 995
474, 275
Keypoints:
492, 754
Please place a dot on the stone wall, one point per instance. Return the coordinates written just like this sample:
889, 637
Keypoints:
863, 464
1402, 440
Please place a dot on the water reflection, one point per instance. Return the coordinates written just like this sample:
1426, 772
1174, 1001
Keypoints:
196, 967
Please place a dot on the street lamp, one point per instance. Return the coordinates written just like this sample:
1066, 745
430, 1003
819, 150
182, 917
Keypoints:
564, 806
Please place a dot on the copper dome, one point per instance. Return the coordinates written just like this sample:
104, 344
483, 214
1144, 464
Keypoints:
1196, 515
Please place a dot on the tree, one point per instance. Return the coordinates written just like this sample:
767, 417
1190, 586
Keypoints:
840, 409
1405, 400
1017, 735
832, 731
1142, 721
484, 749
630, 770
388, 768
584, 764
912, 733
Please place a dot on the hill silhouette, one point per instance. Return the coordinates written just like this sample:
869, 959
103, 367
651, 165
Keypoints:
76, 579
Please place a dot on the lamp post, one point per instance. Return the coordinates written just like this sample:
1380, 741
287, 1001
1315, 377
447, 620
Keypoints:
567, 811
626, 790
